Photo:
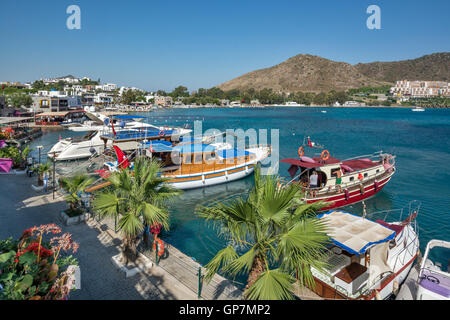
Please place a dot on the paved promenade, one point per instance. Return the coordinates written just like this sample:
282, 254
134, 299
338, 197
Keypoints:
22, 207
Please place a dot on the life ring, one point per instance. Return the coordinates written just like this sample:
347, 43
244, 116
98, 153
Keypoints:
301, 151
160, 247
325, 155
162, 133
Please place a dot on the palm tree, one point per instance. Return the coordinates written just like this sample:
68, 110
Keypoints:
277, 238
74, 186
41, 169
137, 198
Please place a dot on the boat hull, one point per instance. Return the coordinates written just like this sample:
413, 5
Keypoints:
210, 179
340, 200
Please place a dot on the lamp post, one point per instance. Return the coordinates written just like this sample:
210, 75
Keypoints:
54, 184
39, 150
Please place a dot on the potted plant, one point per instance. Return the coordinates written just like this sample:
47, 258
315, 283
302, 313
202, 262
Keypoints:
41, 170
74, 186
32, 268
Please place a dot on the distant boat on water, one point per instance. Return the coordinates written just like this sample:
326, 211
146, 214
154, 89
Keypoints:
418, 109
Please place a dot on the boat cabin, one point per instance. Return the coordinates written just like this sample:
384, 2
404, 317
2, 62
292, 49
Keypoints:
195, 157
358, 258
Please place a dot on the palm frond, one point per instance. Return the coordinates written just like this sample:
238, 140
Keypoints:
221, 259
271, 285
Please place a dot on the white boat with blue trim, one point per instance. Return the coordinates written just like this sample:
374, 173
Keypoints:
193, 163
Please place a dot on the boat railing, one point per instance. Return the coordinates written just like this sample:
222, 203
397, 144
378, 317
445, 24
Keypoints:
372, 155
345, 185
413, 211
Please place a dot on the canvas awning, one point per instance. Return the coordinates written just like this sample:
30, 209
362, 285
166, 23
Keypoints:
353, 233
316, 164
53, 114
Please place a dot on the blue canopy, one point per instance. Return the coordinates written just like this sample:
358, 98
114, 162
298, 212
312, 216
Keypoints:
194, 148
138, 134
126, 117
232, 153
158, 146
353, 233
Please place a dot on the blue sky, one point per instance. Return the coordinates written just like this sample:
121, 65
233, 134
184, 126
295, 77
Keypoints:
155, 44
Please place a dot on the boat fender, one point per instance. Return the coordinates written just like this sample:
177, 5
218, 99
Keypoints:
361, 188
395, 287
347, 194
377, 295
226, 175
203, 178
375, 185
246, 169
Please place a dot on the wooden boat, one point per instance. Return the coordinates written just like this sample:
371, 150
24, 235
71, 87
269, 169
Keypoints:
368, 259
361, 177
196, 164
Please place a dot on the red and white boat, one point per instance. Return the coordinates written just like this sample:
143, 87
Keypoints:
360, 177
368, 258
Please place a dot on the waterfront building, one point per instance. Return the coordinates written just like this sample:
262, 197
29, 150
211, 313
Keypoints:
163, 101
354, 104
54, 103
420, 89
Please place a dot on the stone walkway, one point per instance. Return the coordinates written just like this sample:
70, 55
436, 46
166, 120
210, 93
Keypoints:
22, 207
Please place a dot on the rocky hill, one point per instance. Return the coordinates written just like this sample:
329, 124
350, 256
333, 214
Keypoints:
309, 73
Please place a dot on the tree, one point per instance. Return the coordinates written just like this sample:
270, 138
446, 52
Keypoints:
137, 198
278, 238
74, 186
39, 85
129, 96
179, 91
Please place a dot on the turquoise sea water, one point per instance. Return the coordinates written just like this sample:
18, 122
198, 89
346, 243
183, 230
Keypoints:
420, 140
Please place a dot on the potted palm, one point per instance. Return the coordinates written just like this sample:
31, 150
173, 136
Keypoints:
74, 187
278, 239
137, 198
42, 169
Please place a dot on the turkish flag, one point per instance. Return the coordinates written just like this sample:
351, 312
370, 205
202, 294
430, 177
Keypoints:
121, 158
112, 125
310, 143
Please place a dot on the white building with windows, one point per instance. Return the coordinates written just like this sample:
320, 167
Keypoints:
420, 89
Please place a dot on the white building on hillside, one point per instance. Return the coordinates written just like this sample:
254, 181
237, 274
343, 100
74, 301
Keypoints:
421, 89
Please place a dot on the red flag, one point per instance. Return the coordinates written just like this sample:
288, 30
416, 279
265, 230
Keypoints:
112, 125
121, 158
309, 143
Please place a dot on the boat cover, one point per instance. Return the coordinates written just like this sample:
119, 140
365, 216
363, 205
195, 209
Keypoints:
353, 233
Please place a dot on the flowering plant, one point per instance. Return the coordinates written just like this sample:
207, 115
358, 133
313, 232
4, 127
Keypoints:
32, 268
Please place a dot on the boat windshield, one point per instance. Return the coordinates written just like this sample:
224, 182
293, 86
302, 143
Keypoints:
88, 136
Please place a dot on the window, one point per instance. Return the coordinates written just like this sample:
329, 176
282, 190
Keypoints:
198, 158
352, 178
365, 175
210, 156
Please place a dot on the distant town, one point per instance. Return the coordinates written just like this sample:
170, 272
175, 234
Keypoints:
68, 93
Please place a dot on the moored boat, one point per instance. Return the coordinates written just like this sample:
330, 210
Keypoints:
434, 282
368, 259
195, 163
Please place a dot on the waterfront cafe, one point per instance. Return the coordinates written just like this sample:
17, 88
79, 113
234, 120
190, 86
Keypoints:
58, 117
